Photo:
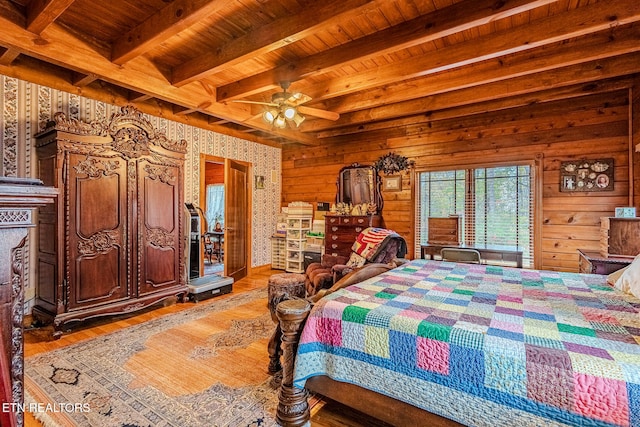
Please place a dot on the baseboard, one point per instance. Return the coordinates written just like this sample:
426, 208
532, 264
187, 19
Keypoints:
260, 269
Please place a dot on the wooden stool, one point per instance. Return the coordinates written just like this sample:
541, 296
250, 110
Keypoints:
282, 286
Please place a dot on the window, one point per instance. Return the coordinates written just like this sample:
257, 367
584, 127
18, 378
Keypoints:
495, 205
215, 205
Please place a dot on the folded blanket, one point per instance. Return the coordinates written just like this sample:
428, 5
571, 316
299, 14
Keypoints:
370, 240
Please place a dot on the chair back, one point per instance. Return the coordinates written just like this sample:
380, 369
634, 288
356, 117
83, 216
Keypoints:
471, 256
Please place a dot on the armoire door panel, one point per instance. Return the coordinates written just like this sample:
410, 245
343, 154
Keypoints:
99, 279
160, 265
100, 204
159, 201
97, 230
159, 213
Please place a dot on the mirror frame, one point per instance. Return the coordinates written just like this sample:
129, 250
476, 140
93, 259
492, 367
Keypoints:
374, 185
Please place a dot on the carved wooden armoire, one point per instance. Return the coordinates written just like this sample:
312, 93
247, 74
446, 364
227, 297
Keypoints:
114, 241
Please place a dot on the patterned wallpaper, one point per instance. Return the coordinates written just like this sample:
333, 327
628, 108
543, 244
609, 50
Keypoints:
26, 107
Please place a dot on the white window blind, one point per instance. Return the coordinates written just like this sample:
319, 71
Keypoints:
495, 205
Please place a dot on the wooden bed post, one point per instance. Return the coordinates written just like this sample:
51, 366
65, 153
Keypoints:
293, 408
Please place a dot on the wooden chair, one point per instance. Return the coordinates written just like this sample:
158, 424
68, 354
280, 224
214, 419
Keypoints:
217, 249
208, 248
470, 256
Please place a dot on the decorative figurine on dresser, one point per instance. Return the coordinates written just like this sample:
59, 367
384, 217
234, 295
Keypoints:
358, 206
114, 240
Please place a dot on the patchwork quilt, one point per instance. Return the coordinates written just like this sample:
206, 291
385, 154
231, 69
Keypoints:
484, 345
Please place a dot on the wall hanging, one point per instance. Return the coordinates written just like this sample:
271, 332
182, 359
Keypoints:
586, 175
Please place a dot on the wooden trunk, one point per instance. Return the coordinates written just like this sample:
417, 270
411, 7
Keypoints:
114, 241
620, 236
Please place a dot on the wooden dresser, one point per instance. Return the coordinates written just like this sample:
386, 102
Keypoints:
341, 231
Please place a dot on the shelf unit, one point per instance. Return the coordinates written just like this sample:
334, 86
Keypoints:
297, 228
278, 252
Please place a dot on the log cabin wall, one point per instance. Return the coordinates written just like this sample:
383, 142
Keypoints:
590, 127
634, 130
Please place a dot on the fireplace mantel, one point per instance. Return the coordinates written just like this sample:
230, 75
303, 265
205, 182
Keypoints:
19, 199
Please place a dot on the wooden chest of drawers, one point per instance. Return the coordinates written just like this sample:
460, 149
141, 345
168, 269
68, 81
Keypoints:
620, 236
444, 230
341, 231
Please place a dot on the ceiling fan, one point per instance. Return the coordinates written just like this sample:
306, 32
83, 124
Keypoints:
287, 107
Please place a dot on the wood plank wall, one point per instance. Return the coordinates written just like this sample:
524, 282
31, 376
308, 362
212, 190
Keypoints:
590, 127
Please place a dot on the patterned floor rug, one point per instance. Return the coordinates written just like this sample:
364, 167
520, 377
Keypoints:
205, 366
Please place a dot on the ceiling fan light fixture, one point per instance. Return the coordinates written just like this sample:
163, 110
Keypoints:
289, 112
298, 119
270, 115
280, 122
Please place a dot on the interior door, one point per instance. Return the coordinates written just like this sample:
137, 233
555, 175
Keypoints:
236, 239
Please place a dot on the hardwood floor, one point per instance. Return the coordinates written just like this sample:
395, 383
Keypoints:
326, 414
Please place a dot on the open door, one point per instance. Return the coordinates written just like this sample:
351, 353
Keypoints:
237, 219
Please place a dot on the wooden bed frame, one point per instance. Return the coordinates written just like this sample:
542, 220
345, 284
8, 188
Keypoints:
293, 408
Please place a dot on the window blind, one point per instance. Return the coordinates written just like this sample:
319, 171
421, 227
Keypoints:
495, 205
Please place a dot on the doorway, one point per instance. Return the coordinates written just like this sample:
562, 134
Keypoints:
225, 202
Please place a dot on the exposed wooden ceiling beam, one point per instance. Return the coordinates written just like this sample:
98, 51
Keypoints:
60, 47
567, 92
314, 17
42, 13
35, 71
181, 111
138, 97
576, 74
80, 79
8, 56
443, 22
563, 26
167, 22
589, 48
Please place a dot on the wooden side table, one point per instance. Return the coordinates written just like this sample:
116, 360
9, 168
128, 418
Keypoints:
593, 262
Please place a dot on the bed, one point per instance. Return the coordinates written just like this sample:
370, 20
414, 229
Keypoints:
467, 344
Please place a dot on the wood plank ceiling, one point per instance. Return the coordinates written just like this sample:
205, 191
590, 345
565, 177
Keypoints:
386, 66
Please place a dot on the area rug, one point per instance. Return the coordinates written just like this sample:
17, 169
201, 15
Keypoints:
205, 366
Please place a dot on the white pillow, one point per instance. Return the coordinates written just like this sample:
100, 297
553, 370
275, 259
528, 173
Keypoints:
629, 281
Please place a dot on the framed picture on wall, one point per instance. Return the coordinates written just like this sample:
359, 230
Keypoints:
586, 175
392, 183
259, 182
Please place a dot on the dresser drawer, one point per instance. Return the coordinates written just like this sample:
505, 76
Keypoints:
338, 248
362, 221
340, 237
342, 230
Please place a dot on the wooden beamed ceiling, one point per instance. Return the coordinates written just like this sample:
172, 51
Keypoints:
388, 67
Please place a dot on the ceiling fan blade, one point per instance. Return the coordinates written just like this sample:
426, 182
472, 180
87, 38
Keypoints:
323, 114
242, 101
298, 98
